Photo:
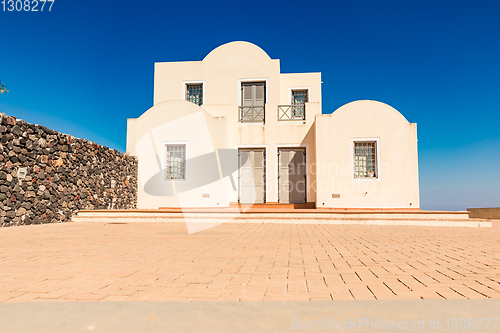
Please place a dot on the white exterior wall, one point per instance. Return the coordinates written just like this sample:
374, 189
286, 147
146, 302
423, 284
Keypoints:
397, 183
178, 122
221, 73
215, 125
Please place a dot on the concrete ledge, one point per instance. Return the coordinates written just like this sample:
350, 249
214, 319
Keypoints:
408, 218
485, 213
280, 210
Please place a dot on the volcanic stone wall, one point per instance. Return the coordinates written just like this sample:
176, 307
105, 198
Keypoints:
62, 175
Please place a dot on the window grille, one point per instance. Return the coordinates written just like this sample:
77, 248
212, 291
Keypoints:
365, 159
194, 93
175, 162
299, 99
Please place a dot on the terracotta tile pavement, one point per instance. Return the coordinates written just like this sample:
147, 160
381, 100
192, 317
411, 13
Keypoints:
246, 262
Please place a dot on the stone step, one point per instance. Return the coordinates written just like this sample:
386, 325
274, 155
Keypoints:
361, 218
274, 205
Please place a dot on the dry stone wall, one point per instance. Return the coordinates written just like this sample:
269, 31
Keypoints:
47, 176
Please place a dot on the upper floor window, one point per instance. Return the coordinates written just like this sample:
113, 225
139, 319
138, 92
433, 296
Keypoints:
175, 162
194, 93
299, 100
296, 110
253, 100
365, 159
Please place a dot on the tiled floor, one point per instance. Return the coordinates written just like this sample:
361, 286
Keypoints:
246, 262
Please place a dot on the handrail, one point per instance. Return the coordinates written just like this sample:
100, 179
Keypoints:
292, 112
252, 114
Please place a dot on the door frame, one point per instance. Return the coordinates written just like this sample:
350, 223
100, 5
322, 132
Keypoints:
276, 163
266, 152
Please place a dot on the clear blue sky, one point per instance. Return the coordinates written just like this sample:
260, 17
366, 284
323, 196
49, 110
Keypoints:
86, 66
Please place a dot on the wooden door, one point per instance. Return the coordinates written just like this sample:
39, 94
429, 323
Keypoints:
292, 175
252, 176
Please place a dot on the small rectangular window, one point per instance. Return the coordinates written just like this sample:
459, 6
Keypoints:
365, 159
175, 162
194, 93
299, 100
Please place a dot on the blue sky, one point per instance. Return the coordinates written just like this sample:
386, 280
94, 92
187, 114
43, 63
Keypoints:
86, 66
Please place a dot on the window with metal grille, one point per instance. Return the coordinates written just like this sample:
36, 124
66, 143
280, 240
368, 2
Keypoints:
299, 100
365, 159
194, 93
175, 162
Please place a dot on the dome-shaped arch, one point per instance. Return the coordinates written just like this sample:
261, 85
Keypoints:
237, 48
369, 108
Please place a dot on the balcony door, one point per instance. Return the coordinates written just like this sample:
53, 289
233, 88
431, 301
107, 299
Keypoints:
253, 99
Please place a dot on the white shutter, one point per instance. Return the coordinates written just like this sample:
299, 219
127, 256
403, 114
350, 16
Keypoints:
260, 94
245, 177
251, 182
247, 94
284, 181
258, 168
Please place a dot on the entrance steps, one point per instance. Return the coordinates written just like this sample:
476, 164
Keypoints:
285, 215
273, 205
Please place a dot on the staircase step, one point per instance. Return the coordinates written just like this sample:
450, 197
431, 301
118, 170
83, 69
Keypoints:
312, 217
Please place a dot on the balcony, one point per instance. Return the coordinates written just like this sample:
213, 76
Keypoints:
292, 112
251, 114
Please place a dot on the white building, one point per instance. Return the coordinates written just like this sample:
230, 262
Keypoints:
232, 128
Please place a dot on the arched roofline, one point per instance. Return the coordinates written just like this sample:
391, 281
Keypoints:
350, 105
165, 112
229, 47
176, 104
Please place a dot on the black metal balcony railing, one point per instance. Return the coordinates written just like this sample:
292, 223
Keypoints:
252, 114
291, 112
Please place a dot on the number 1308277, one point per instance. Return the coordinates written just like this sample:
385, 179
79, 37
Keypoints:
27, 5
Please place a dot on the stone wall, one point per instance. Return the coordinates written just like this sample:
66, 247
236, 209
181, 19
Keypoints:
63, 174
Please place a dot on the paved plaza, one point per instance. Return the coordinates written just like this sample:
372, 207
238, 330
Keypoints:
246, 262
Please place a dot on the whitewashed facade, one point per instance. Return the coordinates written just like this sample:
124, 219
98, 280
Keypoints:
232, 128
